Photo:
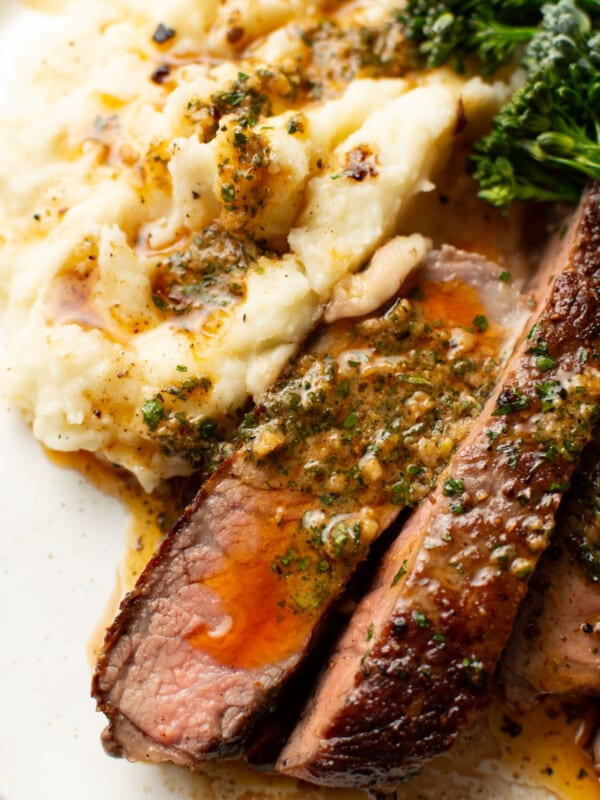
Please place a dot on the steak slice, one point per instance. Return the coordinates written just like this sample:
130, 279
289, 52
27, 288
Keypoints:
357, 429
415, 662
555, 644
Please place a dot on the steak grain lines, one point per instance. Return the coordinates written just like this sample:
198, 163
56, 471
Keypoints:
358, 428
415, 661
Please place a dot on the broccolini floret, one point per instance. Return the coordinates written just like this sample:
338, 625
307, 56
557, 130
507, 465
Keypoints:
545, 142
450, 31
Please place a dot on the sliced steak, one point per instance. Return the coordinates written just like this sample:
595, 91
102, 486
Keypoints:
416, 659
555, 644
579, 516
358, 428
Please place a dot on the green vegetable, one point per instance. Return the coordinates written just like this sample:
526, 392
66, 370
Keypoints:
545, 142
453, 30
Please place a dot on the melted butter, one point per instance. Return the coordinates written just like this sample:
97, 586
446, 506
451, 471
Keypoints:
259, 627
76, 295
70, 300
271, 594
70, 296
544, 754
545, 751
451, 301
234, 780
533, 750
47, 6
541, 763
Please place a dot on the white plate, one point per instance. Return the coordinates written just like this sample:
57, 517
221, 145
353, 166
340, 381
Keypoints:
61, 543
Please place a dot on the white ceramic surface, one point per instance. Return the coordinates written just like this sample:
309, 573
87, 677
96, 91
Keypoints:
61, 542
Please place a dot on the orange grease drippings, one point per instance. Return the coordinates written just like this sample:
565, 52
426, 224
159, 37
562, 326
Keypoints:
451, 301
70, 300
264, 629
545, 752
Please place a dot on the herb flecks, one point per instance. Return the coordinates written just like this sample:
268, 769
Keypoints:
210, 273
550, 394
511, 400
401, 573
453, 486
153, 411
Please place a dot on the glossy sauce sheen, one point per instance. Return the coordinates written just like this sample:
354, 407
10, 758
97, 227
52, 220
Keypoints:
544, 752
257, 625
272, 596
416, 659
357, 428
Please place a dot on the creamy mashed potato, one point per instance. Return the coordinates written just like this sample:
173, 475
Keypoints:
180, 194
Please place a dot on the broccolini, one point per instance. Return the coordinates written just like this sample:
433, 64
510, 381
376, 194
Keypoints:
453, 30
545, 142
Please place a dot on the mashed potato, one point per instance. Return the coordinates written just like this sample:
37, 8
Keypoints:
180, 194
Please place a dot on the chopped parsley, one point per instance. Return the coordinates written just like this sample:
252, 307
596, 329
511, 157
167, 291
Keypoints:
351, 420
549, 392
421, 619
153, 411
511, 400
401, 572
481, 323
228, 192
453, 486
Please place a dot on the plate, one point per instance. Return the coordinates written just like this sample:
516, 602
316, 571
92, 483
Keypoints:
62, 543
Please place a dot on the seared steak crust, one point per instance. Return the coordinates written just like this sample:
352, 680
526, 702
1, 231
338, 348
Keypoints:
148, 679
415, 661
223, 614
